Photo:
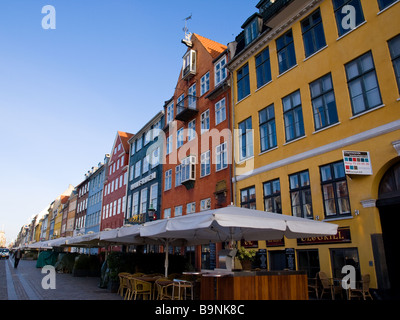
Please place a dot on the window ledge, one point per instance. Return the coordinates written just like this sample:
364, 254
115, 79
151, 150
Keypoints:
244, 160
266, 151
360, 25
297, 139
265, 84
338, 218
368, 111
326, 128
316, 52
387, 8
243, 99
288, 70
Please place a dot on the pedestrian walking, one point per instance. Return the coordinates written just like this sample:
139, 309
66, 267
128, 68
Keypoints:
17, 257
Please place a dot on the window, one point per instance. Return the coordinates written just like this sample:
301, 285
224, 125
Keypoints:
143, 200
205, 121
119, 206
243, 82
170, 112
169, 144
139, 144
131, 172
191, 207
263, 68
205, 204
220, 111
293, 115
192, 130
385, 3
179, 138
222, 157
251, 31
313, 33
334, 190
146, 164
394, 46
189, 63
192, 97
138, 167
205, 164
286, 52
363, 84
300, 195
342, 14
168, 180
245, 139
272, 196
153, 196
248, 198
188, 169
323, 102
178, 180
178, 211
205, 83
167, 213
220, 71
267, 128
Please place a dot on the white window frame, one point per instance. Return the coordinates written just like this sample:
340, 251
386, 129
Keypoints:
143, 200
167, 213
135, 203
170, 112
205, 161
191, 207
191, 135
205, 204
153, 196
220, 151
220, 111
205, 83
138, 168
205, 120
168, 180
178, 211
220, 71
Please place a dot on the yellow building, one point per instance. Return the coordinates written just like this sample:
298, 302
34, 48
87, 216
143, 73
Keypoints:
316, 86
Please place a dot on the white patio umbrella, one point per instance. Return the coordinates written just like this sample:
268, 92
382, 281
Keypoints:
40, 245
233, 224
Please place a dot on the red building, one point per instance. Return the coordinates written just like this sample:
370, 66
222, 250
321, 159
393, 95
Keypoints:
196, 168
114, 191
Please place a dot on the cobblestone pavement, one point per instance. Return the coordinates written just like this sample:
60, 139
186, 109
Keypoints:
25, 283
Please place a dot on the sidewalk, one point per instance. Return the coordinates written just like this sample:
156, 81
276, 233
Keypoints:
25, 283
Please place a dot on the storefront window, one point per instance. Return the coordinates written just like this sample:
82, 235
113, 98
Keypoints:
308, 260
343, 257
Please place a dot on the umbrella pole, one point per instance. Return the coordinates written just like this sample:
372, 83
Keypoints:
166, 258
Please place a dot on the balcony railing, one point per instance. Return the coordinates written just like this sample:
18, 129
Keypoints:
186, 109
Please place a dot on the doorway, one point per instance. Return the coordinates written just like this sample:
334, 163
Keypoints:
389, 211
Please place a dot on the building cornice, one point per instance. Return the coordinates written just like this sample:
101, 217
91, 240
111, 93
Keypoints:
270, 35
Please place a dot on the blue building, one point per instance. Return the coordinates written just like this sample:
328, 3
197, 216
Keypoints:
145, 172
96, 183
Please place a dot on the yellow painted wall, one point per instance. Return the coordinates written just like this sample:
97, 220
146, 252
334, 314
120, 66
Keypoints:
370, 36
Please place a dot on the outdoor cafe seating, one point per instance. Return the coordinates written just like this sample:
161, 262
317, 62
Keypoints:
363, 289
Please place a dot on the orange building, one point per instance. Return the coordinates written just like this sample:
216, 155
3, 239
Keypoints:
196, 166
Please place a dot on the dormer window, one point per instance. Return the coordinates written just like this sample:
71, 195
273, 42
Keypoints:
189, 64
251, 31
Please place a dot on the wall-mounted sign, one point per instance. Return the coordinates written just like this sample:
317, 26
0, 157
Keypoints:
343, 236
276, 243
357, 162
146, 179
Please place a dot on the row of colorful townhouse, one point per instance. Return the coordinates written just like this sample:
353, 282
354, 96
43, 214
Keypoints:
299, 116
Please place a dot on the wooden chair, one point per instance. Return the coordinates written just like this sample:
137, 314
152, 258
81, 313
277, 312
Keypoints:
123, 283
327, 286
363, 291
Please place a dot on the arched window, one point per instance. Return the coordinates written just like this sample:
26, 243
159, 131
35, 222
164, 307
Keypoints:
390, 183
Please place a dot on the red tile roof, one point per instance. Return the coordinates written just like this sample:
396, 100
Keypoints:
125, 136
213, 47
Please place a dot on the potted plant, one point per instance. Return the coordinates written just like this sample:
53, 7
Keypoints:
246, 257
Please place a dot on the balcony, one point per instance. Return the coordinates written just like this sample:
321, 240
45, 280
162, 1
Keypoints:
186, 109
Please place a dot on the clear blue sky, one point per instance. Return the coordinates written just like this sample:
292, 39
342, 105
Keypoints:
109, 65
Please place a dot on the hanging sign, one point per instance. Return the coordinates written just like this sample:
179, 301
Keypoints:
357, 162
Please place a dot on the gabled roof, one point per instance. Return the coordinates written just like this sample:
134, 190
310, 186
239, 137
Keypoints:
125, 136
214, 48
